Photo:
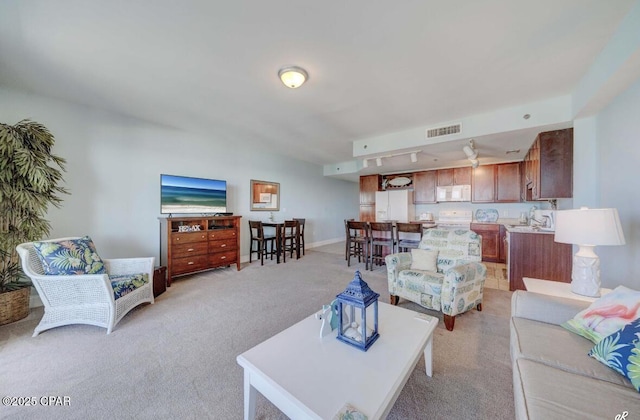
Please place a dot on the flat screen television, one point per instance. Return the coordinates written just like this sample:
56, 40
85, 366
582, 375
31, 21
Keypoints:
187, 195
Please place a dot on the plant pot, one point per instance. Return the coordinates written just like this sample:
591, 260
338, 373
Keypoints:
14, 305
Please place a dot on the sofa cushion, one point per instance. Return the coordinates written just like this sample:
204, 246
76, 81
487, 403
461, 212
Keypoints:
621, 352
554, 346
70, 256
127, 283
552, 393
607, 314
424, 259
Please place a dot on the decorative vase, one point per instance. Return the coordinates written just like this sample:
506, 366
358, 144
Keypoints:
14, 305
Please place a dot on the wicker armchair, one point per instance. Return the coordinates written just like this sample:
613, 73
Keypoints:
87, 298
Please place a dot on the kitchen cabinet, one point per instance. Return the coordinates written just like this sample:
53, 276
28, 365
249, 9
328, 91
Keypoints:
549, 166
424, 187
454, 176
369, 185
490, 233
508, 182
537, 255
483, 184
502, 258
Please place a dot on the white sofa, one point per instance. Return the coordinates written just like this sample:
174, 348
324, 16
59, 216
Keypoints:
553, 376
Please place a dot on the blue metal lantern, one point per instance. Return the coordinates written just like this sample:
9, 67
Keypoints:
353, 326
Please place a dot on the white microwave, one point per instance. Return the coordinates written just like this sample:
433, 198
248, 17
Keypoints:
453, 193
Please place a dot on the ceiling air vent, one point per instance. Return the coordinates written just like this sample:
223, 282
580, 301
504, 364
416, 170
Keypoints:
444, 131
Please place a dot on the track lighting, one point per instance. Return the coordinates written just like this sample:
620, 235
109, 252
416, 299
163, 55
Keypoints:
365, 163
472, 154
379, 161
414, 157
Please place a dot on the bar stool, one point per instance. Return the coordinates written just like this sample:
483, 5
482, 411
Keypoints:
358, 242
262, 241
300, 234
383, 241
290, 239
412, 238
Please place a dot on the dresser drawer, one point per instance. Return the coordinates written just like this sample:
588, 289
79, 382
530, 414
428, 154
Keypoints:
222, 234
189, 264
188, 237
220, 258
188, 249
222, 245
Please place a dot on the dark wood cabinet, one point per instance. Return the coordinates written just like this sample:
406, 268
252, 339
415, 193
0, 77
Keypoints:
508, 182
483, 184
369, 184
424, 187
538, 256
490, 233
454, 176
502, 258
548, 166
192, 244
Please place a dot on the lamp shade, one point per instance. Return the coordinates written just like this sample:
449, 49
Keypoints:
589, 227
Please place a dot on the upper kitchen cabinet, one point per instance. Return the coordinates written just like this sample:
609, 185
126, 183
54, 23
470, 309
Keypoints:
548, 166
369, 184
483, 184
508, 182
454, 176
424, 187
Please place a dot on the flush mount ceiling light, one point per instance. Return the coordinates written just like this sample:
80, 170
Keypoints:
292, 76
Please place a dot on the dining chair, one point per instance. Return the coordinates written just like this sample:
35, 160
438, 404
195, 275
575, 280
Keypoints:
346, 241
301, 244
408, 235
290, 238
358, 242
261, 241
383, 242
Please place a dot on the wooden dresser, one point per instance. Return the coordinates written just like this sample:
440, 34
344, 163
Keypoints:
192, 244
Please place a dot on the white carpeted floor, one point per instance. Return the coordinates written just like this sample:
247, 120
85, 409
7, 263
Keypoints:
177, 358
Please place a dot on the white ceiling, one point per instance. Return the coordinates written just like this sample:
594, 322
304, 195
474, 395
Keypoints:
375, 67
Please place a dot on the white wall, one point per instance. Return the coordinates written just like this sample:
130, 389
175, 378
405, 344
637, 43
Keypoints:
113, 173
618, 149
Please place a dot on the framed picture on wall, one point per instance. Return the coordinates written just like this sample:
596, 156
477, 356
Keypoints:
265, 196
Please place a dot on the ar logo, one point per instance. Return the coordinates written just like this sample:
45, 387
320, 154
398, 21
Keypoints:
622, 416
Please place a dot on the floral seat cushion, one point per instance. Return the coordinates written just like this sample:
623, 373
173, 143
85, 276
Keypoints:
127, 283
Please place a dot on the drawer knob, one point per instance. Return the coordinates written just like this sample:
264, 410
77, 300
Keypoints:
190, 262
223, 257
223, 245
190, 249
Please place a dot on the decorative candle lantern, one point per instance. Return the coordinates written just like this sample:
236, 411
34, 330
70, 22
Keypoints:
353, 305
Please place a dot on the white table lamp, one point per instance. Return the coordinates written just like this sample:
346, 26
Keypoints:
588, 228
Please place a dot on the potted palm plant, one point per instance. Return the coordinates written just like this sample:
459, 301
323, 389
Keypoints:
30, 180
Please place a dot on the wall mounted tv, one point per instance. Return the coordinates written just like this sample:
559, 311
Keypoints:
186, 195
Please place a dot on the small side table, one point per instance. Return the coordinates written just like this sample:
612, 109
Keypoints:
557, 288
159, 280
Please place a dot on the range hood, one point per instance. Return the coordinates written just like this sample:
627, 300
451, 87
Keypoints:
453, 193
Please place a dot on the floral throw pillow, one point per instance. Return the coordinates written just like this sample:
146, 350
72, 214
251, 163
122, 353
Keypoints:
606, 315
68, 257
621, 352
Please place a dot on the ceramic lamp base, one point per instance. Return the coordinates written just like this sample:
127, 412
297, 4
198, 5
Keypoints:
585, 275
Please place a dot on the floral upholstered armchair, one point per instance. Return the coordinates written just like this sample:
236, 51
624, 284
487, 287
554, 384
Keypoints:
76, 286
444, 273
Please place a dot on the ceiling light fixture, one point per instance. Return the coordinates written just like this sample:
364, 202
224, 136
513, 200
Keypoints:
413, 156
292, 76
472, 154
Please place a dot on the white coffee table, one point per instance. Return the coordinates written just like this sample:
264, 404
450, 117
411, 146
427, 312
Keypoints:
308, 377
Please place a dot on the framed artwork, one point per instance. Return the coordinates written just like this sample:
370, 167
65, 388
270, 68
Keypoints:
265, 196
